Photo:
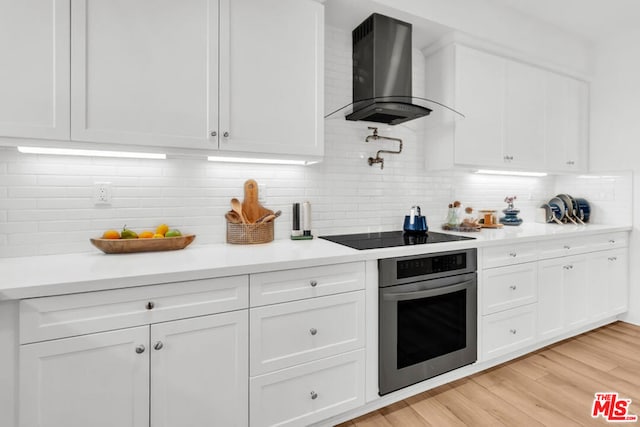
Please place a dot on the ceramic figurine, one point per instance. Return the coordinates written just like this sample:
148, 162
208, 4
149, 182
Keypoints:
510, 213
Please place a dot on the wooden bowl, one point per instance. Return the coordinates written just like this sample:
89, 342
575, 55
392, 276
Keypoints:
126, 246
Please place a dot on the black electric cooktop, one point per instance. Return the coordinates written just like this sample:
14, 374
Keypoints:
388, 239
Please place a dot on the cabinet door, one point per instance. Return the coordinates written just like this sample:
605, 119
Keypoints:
524, 116
145, 72
97, 380
608, 283
271, 86
480, 92
550, 298
562, 295
200, 371
567, 124
34, 68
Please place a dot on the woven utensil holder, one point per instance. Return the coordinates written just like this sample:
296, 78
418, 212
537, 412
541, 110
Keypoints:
249, 234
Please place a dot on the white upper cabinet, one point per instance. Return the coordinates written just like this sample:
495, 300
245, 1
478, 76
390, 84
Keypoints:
34, 69
517, 116
241, 76
144, 72
524, 126
567, 121
271, 67
479, 95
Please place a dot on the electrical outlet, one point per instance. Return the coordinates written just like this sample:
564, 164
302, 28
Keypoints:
102, 193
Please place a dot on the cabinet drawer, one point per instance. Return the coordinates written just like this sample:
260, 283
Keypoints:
301, 283
509, 287
287, 334
564, 247
508, 331
308, 393
77, 314
602, 242
510, 254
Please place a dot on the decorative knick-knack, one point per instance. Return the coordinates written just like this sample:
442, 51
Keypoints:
510, 213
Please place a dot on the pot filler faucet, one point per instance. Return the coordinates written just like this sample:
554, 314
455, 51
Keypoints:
376, 137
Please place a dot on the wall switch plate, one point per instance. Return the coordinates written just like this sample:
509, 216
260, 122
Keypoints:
102, 193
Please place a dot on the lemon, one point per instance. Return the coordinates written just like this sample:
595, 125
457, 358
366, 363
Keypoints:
162, 229
158, 236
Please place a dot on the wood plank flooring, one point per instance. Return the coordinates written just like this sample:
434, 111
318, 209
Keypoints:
553, 386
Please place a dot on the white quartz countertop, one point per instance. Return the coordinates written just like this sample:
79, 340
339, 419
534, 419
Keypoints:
28, 277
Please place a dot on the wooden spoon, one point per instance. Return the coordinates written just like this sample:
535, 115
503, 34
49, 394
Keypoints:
233, 217
237, 208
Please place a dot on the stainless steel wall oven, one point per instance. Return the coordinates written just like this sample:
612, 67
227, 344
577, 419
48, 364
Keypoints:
427, 316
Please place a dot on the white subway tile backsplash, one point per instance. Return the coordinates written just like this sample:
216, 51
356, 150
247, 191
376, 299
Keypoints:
46, 204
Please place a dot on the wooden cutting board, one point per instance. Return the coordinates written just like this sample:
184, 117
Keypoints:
251, 208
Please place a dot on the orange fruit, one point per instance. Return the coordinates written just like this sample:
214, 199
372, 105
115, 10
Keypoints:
111, 234
162, 229
146, 234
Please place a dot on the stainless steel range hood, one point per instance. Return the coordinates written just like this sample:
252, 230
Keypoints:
382, 89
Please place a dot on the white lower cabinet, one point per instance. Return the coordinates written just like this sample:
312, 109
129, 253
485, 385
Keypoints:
309, 392
185, 373
97, 380
562, 295
533, 293
307, 357
607, 290
508, 331
172, 355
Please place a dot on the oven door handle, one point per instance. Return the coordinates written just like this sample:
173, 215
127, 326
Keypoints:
425, 293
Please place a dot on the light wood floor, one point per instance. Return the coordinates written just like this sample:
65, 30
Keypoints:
553, 386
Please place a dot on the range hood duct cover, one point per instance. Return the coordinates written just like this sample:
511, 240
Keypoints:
382, 89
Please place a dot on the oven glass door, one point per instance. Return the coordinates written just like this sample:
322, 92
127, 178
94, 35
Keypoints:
426, 328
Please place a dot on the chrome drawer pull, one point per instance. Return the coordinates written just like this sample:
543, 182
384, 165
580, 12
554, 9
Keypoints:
140, 349
150, 305
313, 331
513, 287
314, 395
567, 247
226, 134
513, 331
313, 283
513, 254
214, 133
158, 345
568, 267
612, 241
613, 258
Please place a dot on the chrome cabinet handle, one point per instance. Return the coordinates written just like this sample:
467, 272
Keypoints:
513, 254
150, 305
508, 157
313, 331
513, 287
226, 134
313, 283
612, 241
214, 133
613, 258
158, 345
314, 395
568, 267
140, 349
571, 162
513, 331
567, 247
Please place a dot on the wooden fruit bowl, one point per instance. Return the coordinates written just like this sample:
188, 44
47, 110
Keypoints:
126, 246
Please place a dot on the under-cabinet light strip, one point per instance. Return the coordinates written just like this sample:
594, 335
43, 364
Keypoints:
256, 160
95, 153
515, 173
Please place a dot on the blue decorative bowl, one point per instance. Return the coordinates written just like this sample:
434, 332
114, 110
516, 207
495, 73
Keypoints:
511, 217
